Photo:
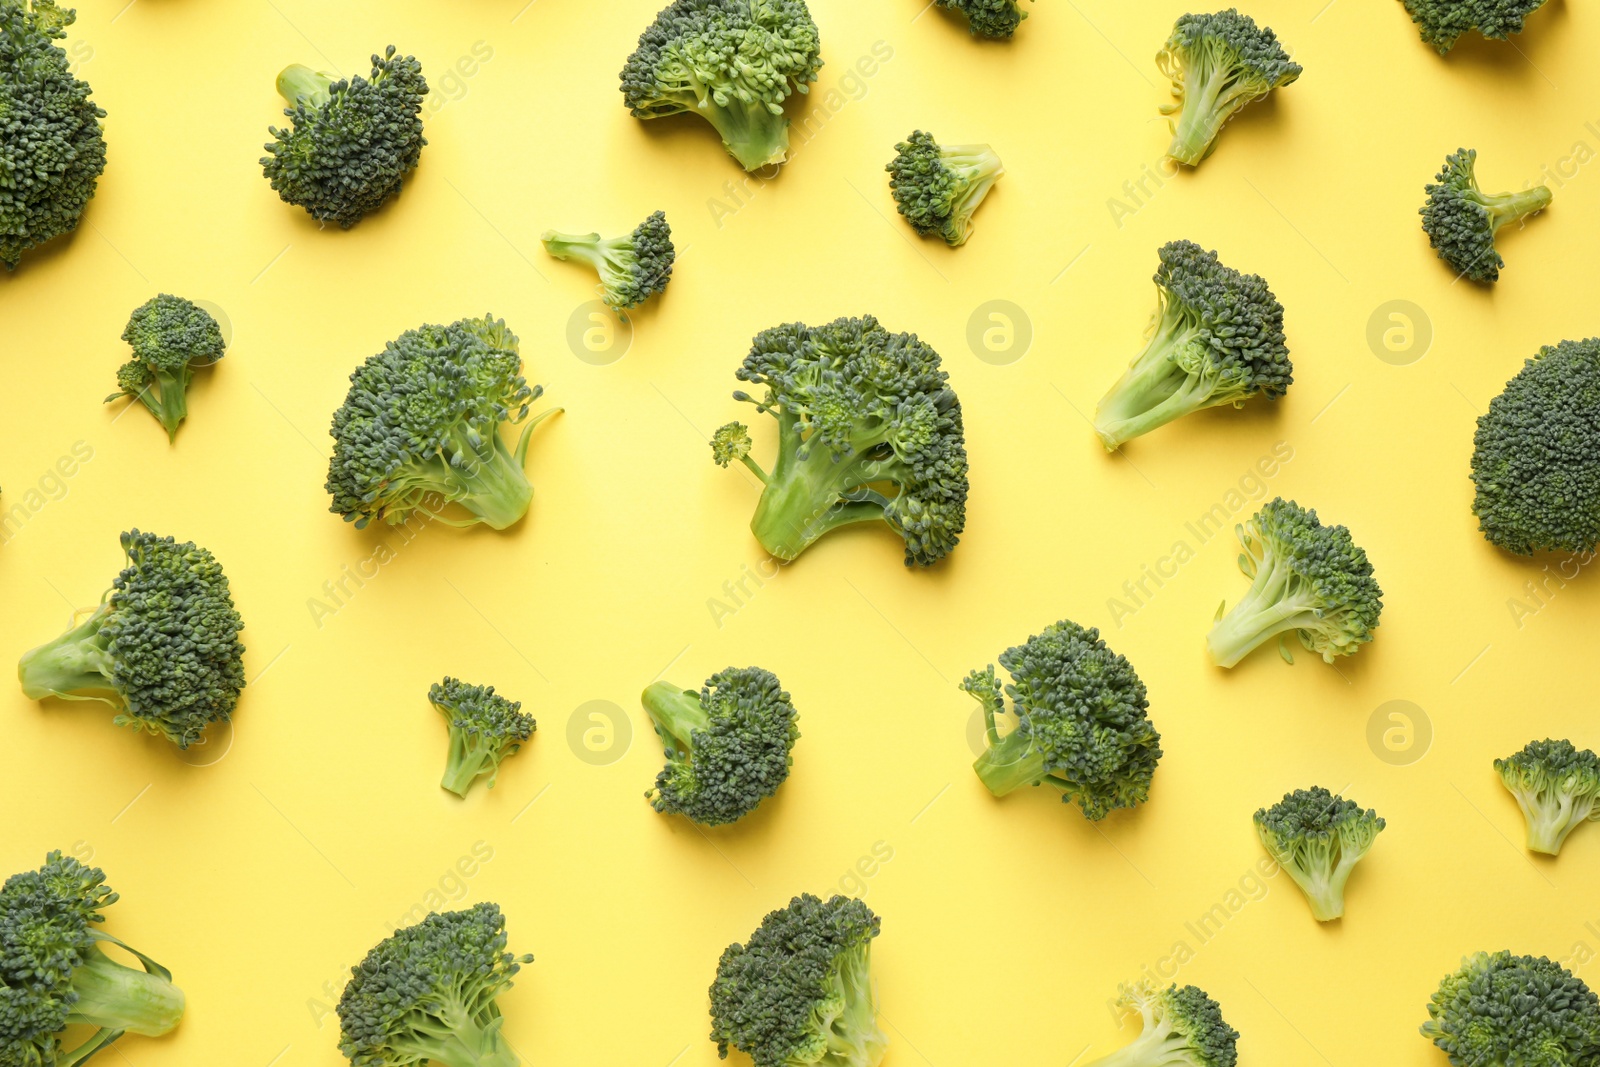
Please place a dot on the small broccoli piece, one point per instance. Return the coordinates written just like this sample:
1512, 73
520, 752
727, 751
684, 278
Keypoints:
170, 337
162, 648
800, 991
52, 151
1081, 722
1557, 786
1500, 1010
632, 269
995, 19
420, 429
427, 994
1216, 338
1461, 220
727, 746
485, 728
1218, 63
938, 188
1444, 22
733, 63
732, 442
1305, 577
1181, 1028
1318, 838
352, 142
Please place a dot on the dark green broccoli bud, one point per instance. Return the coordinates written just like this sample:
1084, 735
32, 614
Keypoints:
1218, 63
733, 63
51, 149
170, 337
1081, 722
632, 269
485, 728
1304, 577
1318, 838
427, 994
1461, 220
995, 19
352, 142
1500, 1010
868, 430
938, 188
1181, 1028
1557, 786
162, 648
420, 429
800, 991
727, 746
1444, 22
54, 974
1216, 338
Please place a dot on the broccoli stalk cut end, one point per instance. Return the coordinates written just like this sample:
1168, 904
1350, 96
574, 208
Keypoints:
124, 999
75, 666
299, 84
676, 714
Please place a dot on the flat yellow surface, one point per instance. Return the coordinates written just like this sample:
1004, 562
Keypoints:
260, 868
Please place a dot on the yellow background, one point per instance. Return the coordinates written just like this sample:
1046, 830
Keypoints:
262, 873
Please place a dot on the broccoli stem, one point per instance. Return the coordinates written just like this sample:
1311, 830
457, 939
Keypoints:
74, 666
455, 1039
168, 398
853, 1036
676, 713
1206, 107
1159, 385
115, 997
1324, 887
299, 84
488, 480
1550, 820
471, 755
751, 132
1268, 609
1155, 1047
1010, 763
807, 496
1506, 208
978, 168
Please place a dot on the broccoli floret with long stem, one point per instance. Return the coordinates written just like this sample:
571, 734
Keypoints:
1444, 22
1318, 838
1181, 1028
1557, 786
1218, 63
995, 19
170, 337
632, 269
485, 728
938, 187
1500, 1010
1461, 220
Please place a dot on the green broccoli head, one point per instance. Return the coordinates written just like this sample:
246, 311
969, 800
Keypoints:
1081, 722
733, 63
632, 269
485, 728
1461, 220
352, 142
170, 337
800, 991
1526, 1011
868, 430
1181, 1028
51, 149
1216, 338
1318, 838
162, 648
938, 188
420, 429
727, 746
1305, 577
1444, 22
1218, 63
995, 19
1557, 786
427, 994
731, 442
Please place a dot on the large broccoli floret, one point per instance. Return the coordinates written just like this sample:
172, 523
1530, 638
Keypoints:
733, 63
727, 746
632, 269
1500, 1010
1181, 1028
53, 973
869, 430
420, 429
1444, 22
1216, 338
1557, 786
162, 648
485, 728
1082, 724
1305, 577
51, 149
1461, 220
427, 994
996, 19
352, 142
170, 337
1318, 838
800, 991
1218, 64
938, 188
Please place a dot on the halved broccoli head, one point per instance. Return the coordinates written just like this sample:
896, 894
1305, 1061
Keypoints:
1444, 22
484, 727
632, 269
995, 19
938, 187
1218, 63
1182, 1027
1461, 220
1518, 1011
170, 337
1557, 786
1318, 838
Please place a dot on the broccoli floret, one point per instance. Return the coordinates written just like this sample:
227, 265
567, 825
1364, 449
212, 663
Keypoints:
1517, 1011
1216, 338
1218, 64
938, 188
485, 728
632, 269
51, 149
800, 991
1444, 22
162, 648
1318, 838
1081, 726
420, 429
352, 142
727, 746
427, 994
1461, 220
170, 337
1305, 577
1557, 786
868, 430
733, 63
995, 19
53, 973
1181, 1028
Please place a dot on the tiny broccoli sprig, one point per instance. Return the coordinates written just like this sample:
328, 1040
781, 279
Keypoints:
484, 727
1218, 63
1461, 220
994, 19
170, 337
938, 187
1517, 1011
1181, 1027
1444, 22
1318, 838
1557, 786
632, 269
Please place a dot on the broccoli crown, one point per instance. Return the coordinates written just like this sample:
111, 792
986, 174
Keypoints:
1182, 1027
1535, 460
1500, 1010
485, 728
1461, 220
1557, 786
938, 188
1081, 721
1218, 63
1444, 22
996, 19
800, 990
170, 337
427, 994
352, 142
51, 149
1318, 838
632, 269
731, 442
